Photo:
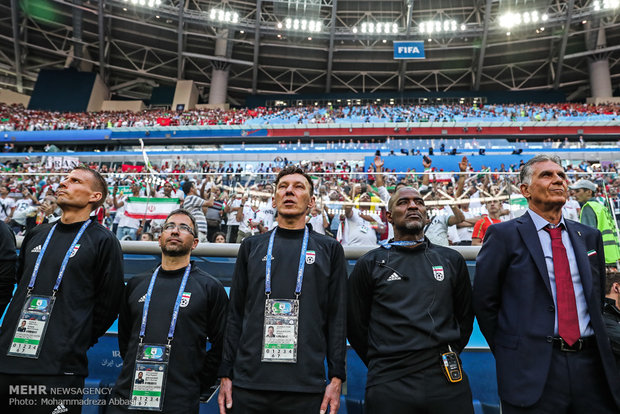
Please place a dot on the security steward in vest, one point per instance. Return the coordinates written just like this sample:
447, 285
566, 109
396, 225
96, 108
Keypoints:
70, 286
166, 320
409, 315
596, 215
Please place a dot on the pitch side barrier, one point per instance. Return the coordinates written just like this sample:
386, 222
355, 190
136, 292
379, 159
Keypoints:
232, 249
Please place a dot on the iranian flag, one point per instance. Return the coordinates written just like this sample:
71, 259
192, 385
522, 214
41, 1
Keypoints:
150, 208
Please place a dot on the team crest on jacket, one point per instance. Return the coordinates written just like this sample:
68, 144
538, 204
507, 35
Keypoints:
438, 273
310, 256
75, 250
185, 299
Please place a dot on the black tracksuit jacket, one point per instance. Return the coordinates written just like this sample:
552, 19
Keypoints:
402, 314
321, 316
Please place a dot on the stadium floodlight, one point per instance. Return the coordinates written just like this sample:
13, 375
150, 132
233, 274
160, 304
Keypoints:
223, 16
509, 20
436, 26
376, 28
303, 25
610, 4
149, 3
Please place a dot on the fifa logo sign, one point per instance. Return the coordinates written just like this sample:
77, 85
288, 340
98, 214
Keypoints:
408, 50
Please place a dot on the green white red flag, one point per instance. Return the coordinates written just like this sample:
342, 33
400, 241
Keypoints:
150, 208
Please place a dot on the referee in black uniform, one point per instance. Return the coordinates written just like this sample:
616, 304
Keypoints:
409, 310
286, 315
201, 318
75, 264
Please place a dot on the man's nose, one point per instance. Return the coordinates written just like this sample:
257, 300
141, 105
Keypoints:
558, 178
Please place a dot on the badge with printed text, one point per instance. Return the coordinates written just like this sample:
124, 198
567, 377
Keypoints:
438, 273
149, 378
31, 327
280, 330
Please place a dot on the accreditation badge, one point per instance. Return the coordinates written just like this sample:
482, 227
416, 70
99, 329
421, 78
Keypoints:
31, 326
280, 330
149, 377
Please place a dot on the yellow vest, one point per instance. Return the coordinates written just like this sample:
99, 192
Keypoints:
606, 225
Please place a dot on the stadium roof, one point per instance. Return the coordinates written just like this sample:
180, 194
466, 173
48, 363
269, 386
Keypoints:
144, 47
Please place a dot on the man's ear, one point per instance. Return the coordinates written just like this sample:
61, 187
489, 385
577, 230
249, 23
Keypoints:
95, 197
525, 190
312, 202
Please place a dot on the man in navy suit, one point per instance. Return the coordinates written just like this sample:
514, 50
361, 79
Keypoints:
537, 295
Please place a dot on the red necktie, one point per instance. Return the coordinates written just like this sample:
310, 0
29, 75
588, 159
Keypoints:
568, 321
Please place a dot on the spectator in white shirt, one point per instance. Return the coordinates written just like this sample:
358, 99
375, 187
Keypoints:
318, 220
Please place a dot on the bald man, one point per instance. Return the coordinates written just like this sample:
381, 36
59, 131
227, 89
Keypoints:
409, 316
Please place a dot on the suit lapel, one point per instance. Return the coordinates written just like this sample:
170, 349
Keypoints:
528, 233
579, 247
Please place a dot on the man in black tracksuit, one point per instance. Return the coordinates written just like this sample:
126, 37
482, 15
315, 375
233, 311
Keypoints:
611, 311
202, 316
8, 258
409, 302
86, 302
251, 386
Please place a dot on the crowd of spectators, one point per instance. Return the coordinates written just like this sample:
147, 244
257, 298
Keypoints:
231, 202
18, 118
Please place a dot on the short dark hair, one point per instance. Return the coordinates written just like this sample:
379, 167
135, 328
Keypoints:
293, 169
186, 213
100, 184
219, 233
148, 235
187, 186
612, 276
